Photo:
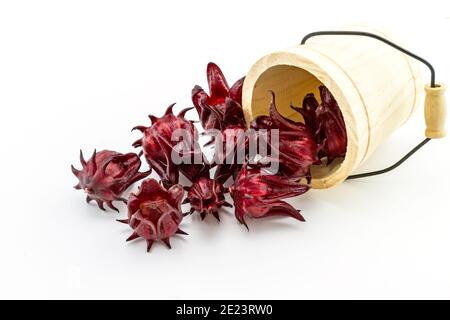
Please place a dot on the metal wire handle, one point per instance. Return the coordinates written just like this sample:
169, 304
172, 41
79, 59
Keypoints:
407, 52
375, 36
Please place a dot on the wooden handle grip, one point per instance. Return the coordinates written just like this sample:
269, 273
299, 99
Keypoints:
435, 111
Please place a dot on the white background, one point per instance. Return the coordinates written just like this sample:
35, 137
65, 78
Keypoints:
80, 74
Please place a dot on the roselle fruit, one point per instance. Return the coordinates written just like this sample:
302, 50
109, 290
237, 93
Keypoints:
158, 146
233, 140
219, 92
258, 195
308, 111
106, 175
206, 196
327, 122
297, 148
154, 212
222, 110
331, 126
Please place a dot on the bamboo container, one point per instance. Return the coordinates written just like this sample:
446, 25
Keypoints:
376, 87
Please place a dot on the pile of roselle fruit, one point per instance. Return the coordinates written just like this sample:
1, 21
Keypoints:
154, 211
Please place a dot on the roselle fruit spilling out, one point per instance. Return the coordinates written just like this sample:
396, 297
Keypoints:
297, 149
106, 175
219, 100
154, 213
206, 196
327, 122
158, 146
257, 194
171, 146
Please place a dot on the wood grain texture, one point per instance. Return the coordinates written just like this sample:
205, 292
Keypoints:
435, 111
376, 87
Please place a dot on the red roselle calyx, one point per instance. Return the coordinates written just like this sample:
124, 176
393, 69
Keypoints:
233, 147
158, 146
259, 195
232, 143
206, 196
106, 175
219, 92
154, 213
297, 149
326, 120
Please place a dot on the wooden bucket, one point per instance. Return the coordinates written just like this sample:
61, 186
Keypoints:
376, 87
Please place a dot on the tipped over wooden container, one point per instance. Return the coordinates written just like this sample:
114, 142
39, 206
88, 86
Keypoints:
376, 87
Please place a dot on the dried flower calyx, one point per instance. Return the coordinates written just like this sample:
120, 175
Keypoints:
257, 194
222, 107
154, 212
169, 135
296, 150
326, 121
207, 197
106, 175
